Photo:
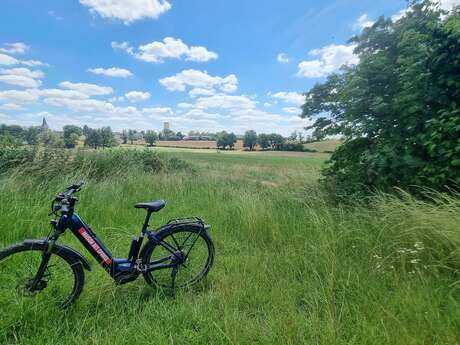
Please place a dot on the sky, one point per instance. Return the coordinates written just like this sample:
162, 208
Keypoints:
206, 65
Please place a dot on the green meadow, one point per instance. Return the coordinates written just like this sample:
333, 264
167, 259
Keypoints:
290, 268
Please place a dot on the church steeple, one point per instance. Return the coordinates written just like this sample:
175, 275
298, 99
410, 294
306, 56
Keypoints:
44, 124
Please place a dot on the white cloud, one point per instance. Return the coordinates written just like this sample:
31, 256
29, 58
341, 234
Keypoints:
15, 48
282, 58
201, 92
122, 46
111, 72
169, 48
59, 93
15, 96
22, 71
90, 106
137, 96
448, 5
199, 79
33, 63
23, 77
290, 97
267, 105
20, 80
199, 114
87, 89
363, 22
117, 99
331, 58
183, 105
10, 106
8, 60
292, 110
225, 102
128, 10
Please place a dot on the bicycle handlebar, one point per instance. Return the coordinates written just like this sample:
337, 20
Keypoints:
66, 199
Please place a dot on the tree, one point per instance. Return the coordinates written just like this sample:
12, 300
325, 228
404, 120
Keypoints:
250, 140
85, 130
150, 137
221, 140
225, 139
398, 108
276, 141
48, 138
124, 136
263, 141
107, 137
93, 138
180, 136
230, 140
132, 135
32, 135
71, 135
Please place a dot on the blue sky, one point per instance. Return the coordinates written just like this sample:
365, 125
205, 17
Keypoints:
199, 64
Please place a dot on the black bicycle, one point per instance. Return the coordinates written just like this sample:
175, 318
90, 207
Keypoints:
177, 254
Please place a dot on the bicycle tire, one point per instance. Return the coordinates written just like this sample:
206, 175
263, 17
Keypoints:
32, 250
153, 278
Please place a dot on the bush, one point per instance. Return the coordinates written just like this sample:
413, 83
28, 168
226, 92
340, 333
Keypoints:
398, 107
46, 163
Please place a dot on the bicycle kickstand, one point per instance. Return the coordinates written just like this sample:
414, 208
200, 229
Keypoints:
173, 278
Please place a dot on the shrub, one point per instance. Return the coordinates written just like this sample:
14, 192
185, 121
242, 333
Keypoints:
397, 108
43, 163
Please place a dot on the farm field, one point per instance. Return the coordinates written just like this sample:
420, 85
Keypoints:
195, 144
290, 267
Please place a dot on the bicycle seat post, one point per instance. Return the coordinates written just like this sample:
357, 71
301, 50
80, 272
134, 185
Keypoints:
146, 221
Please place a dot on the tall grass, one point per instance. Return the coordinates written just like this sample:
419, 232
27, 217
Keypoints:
290, 268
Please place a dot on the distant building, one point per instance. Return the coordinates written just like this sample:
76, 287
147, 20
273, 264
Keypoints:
44, 124
166, 126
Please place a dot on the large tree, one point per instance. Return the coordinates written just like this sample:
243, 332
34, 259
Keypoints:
71, 135
250, 140
398, 108
150, 137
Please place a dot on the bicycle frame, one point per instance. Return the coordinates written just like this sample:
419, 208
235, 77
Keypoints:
121, 270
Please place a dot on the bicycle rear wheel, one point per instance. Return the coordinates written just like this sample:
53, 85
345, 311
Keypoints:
61, 284
191, 242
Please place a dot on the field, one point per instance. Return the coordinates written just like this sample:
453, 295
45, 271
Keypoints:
192, 144
290, 268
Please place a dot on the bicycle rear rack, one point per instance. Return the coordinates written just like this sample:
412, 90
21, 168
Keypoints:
186, 220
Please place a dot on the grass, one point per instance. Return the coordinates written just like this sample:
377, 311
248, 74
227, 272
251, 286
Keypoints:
324, 145
289, 269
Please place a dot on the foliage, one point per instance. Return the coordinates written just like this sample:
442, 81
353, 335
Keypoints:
250, 139
32, 135
225, 140
398, 108
124, 136
71, 135
50, 139
150, 137
101, 137
263, 141
14, 131
46, 162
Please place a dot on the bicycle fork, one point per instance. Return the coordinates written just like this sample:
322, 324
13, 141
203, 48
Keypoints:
37, 283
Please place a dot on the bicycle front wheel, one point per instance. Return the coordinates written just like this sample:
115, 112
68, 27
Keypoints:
193, 244
61, 283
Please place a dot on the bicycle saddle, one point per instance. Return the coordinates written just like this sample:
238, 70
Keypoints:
153, 206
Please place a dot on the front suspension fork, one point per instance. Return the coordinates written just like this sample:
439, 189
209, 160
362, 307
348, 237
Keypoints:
49, 244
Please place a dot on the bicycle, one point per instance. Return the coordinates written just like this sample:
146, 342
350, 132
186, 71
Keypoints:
166, 260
